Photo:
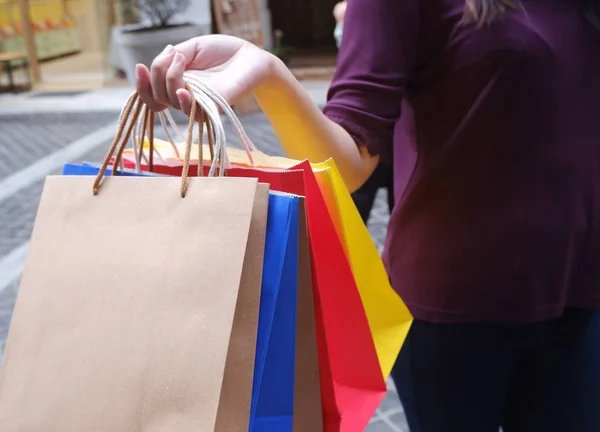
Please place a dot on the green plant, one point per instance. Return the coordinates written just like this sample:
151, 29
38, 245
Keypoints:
279, 49
283, 52
127, 12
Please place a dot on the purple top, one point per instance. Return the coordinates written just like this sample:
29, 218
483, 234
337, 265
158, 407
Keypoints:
496, 139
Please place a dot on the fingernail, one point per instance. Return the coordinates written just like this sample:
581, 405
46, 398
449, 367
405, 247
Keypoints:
168, 50
180, 95
137, 72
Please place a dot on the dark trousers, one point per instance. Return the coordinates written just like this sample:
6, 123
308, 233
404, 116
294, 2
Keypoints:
364, 197
542, 377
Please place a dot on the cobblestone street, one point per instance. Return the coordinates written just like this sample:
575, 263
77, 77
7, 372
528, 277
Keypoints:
34, 144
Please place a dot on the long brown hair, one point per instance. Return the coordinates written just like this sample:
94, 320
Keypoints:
482, 12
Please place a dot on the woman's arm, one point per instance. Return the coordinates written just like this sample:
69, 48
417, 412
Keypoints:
235, 68
305, 132
365, 96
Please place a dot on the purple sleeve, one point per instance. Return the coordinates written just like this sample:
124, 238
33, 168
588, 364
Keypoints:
375, 62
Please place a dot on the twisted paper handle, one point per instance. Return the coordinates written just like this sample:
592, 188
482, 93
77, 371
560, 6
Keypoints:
126, 124
203, 88
139, 154
210, 101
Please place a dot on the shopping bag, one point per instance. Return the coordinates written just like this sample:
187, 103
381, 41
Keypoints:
236, 393
389, 318
286, 391
308, 415
274, 373
288, 396
86, 169
137, 307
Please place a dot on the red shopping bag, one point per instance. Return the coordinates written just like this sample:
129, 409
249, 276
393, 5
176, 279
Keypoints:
352, 385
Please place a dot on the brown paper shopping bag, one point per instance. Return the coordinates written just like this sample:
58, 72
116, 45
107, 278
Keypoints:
236, 394
137, 306
308, 415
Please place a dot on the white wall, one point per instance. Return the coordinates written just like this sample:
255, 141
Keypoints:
198, 12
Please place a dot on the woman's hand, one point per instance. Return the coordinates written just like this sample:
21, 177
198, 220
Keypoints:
232, 66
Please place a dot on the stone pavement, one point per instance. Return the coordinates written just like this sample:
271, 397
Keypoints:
38, 136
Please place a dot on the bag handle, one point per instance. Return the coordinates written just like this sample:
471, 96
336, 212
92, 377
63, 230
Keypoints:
209, 114
142, 135
214, 121
210, 101
202, 88
134, 104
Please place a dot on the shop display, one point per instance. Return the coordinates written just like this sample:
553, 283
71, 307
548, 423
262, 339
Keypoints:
56, 33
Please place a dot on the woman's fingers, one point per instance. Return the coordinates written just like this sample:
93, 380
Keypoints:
158, 86
184, 100
158, 75
174, 78
144, 88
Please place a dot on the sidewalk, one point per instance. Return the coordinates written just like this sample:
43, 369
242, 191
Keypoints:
105, 99
38, 133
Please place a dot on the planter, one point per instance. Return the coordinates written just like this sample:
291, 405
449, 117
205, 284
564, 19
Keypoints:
138, 45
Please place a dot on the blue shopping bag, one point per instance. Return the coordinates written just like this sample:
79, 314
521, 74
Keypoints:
87, 168
274, 372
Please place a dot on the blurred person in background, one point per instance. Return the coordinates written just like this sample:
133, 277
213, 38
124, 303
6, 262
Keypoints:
383, 176
492, 108
339, 10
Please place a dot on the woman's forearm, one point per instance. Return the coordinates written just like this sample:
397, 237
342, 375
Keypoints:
305, 132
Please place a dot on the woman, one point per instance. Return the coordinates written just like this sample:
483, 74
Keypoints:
493, 108
383, 176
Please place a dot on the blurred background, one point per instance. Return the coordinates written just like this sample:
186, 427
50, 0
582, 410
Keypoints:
66, 71
76, 44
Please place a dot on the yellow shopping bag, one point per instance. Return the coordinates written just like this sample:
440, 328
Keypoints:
389, 318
